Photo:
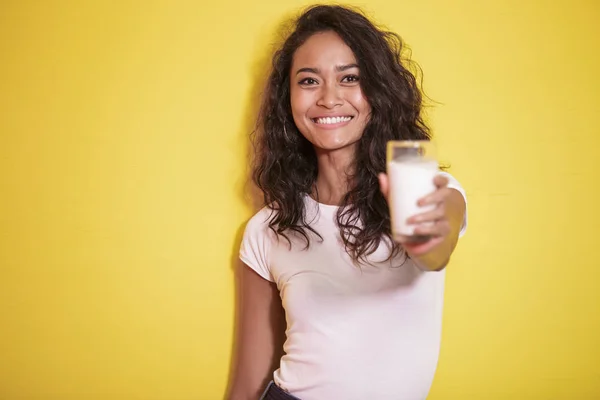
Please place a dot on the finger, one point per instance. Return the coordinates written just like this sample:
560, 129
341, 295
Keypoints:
436, 197
383, 184
440, 181
440, 228
437, 213
420, 248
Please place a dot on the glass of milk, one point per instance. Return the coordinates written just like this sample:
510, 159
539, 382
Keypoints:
411, 169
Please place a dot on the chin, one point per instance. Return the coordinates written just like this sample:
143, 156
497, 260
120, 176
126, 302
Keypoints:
329, 146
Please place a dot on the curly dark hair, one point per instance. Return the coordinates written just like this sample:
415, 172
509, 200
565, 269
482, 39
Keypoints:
285, 164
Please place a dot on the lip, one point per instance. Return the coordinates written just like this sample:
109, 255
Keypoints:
332, 126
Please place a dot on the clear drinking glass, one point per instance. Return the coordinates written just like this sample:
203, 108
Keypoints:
411, 168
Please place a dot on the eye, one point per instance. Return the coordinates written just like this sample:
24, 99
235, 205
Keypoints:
350, 78
308, 81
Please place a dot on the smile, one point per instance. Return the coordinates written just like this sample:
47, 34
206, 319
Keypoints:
331, 120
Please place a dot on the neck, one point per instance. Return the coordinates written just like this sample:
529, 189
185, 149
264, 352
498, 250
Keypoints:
332, 179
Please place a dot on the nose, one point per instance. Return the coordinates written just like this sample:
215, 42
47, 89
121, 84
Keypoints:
330, 96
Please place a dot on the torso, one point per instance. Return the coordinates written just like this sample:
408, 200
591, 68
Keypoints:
353, 332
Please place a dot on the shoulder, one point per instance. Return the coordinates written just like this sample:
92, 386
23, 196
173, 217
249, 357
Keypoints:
256, 243
260, 220
453, 183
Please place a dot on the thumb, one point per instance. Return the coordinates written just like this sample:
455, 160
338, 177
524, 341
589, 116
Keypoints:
383, 184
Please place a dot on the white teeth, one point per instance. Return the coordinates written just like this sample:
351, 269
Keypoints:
332, 120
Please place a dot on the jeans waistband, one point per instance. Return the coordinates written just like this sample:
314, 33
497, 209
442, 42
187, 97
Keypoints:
274, 392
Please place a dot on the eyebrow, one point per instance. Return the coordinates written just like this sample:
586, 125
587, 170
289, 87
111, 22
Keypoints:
339, 68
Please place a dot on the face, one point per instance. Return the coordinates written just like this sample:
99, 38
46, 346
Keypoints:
328, 105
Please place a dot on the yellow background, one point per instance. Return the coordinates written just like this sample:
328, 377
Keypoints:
123, 153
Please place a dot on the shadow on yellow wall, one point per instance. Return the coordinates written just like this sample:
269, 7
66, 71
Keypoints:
249, 193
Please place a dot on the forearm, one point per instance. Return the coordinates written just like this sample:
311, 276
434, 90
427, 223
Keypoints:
244, 391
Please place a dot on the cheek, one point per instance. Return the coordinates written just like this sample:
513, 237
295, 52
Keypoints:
298, 102
359, 101
299, 108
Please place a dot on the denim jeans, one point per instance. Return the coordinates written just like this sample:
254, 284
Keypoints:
274, 392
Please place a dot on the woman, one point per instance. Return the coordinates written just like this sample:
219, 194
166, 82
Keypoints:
362, 313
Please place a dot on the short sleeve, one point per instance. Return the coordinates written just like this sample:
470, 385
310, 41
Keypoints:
454, 184
255, 247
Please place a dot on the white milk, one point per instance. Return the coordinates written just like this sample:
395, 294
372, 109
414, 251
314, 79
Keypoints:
409, 180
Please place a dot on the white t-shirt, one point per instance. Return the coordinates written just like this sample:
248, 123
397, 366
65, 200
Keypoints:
353, 332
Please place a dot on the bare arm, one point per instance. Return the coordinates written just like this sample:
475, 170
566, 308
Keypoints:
260, 332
